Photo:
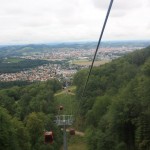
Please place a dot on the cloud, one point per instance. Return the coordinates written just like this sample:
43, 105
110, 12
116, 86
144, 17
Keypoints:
69, 20
118, 5
120, 8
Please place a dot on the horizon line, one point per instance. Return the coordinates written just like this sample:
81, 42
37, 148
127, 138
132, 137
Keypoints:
71, 42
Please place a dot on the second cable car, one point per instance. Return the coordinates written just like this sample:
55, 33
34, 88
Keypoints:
61, 107
72, 131
48, 137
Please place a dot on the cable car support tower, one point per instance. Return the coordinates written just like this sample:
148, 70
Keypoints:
64, 121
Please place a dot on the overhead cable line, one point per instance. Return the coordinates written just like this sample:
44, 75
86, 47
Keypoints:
99, 42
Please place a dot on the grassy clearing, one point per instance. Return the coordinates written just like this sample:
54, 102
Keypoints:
72, 89
78, 146
67, 100
70, 104
87, 63
65, 91
76, 143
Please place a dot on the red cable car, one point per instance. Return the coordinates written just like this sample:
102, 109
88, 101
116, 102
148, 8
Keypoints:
72, 131
61, 107
48, 137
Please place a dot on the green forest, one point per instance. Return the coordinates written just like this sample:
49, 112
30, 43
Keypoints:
116, 103
25, 113
114, 111
16, 66
10, 84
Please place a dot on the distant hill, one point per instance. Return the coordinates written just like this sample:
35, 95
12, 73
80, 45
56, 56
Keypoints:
16, 50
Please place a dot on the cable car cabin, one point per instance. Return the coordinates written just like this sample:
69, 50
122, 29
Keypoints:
72, 132
48, 137
61, 107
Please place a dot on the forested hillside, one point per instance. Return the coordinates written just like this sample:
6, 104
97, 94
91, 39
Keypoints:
116, 104
115, 108
24, 64
13, 83
25, 113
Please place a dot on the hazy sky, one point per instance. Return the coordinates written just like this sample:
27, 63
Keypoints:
34, 21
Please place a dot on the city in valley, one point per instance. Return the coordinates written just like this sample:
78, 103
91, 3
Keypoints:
63, 62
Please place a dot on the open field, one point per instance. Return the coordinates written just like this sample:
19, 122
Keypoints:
67, 100
87, 62
65, 91
76, 143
